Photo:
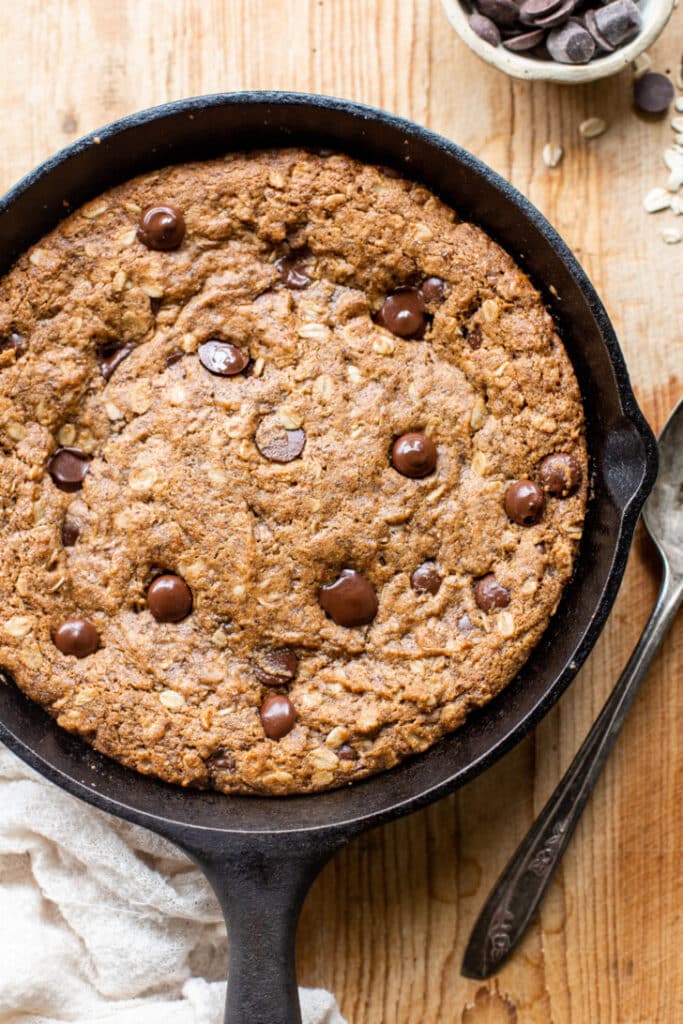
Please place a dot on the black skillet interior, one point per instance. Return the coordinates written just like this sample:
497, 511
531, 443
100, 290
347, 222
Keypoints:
622, 448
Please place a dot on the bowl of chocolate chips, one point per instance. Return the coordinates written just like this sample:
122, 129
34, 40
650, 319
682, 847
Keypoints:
559, 40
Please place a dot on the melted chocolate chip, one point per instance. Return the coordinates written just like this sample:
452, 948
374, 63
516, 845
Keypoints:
414, 455
169, 598
560, 475
14, 341
403, 313
474, 338
489, 593
278, 716
174, 357
426, 579
347, 753
70, 532
433, 290
524, 502
349, 601
161, 227
68, 468
277, 444
292, 272
110, 355
220, 760
222, 358
77, 637
276, 668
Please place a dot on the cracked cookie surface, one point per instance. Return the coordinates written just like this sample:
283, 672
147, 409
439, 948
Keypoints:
238, 414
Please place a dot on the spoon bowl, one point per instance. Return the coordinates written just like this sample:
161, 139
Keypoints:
663, 512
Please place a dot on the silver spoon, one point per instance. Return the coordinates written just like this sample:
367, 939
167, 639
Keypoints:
523, 883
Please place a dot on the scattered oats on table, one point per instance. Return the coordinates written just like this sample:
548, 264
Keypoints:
592, 127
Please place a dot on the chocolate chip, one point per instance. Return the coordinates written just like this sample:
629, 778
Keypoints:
426, 579
161, 227
618, 22
169, 598
465, 622
485, 28
155, 304
489, 593
349, 601
77, 637
220, 760
557, 17
278, 716
174, 357
222, 358
524, 502
414, 455
560, 475
531, 10
277, 444
589, 22
276, 667
503, 12
14, 341
403, 313
570, 43
70, 532
473, 337
653, 93
292, 272
519, 44
347, 753
68, 468
110, 355
433, 289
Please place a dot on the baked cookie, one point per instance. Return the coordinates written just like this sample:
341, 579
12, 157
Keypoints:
292, 470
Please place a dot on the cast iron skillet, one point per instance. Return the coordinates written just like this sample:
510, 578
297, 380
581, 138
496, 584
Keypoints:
261, 854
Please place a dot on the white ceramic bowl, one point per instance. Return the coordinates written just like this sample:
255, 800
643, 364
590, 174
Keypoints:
655, 14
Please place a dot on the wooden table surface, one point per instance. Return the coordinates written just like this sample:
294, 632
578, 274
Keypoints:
386, 923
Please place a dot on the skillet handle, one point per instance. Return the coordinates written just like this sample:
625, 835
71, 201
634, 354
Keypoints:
261, 883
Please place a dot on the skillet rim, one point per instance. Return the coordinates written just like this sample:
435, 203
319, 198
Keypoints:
629, 508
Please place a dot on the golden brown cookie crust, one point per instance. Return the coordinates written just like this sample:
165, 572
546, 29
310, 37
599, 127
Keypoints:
177, 483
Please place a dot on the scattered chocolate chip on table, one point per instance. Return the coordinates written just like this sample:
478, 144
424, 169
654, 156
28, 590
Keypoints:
653, 93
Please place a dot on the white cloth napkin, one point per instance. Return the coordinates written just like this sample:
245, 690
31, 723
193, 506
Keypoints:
102, 922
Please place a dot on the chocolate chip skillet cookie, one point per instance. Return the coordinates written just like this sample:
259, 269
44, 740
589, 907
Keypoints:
292, 471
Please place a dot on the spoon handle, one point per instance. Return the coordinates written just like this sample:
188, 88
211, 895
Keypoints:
523, 883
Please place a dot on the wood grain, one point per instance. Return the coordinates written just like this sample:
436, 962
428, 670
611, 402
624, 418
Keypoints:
386, 923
